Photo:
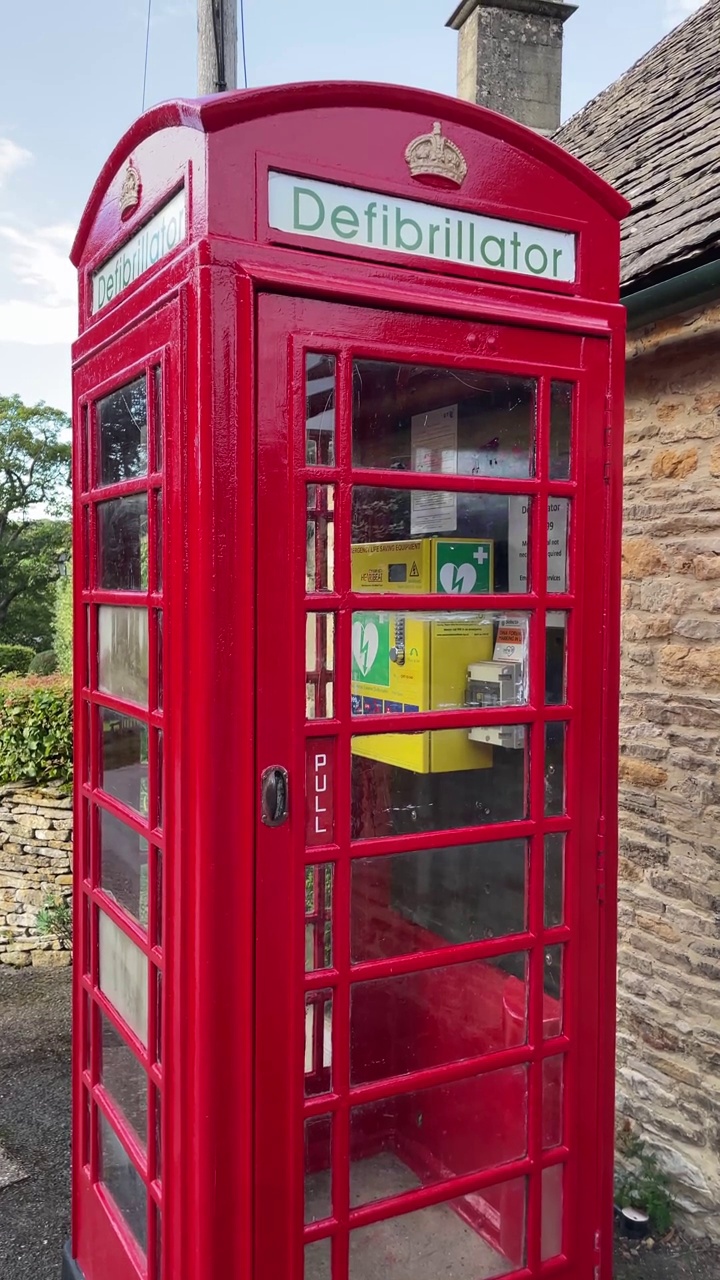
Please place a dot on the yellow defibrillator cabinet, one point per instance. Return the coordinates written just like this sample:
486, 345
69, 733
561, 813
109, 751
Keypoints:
416, 662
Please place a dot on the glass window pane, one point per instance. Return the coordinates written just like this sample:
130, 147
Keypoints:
320, 409
158, 898
123, 1182
159, 1016
84, 1122
84, 573
552, 1212
123, 653
558, 542
410, 662
452, 1130
319, 665
410, 541
158, 1243
123, 975
160, 657
86, 1027
124, 759
159, 423
552, 1101
122, 422
554, 880
124, 866
123, 534
157, 1112
318, 1260
432, 898
318, 916
561, 403
437, 780
418, 1020
318, 1042
447, 421
160, 778
318, 1168
555, 798
474, 1237
556, 659
159, 542
124, 1078
554, 1002
84, 449
320, 549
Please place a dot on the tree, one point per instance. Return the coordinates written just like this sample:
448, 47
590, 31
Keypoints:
63, 623
34, 511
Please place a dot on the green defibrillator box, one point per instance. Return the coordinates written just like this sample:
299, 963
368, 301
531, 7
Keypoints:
413, 662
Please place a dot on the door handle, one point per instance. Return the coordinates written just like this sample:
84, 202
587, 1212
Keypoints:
274, 796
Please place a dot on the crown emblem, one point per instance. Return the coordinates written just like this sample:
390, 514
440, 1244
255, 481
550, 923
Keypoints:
434, 156
130, 191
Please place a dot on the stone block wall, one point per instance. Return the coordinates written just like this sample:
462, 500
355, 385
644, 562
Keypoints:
510, 59
35, 865
669, 961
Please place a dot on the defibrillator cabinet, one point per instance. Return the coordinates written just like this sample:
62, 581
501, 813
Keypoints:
347, 483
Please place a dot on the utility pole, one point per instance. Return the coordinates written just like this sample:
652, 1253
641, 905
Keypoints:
217, 46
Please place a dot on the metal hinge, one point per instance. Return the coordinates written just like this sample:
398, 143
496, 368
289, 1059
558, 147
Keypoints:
607, 442
600, 869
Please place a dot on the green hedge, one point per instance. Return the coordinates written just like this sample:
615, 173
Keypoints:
36, 729
15, 657
44, 664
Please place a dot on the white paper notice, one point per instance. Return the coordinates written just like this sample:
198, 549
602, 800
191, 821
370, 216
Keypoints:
433, 445
557, 544
518, 511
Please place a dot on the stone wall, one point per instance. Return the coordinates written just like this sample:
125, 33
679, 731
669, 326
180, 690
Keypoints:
669, 963
510, 59
35, 865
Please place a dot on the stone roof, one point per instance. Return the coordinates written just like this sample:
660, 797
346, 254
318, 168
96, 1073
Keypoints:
655, 135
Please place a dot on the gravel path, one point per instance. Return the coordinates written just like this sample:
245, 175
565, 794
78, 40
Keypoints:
35, 1142
34, 1122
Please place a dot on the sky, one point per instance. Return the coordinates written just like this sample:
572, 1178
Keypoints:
71, 82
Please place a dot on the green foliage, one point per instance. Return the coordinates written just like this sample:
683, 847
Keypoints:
641, 1183
35, 729
15, 658
63, 627
34, 508
55, 918
44, 664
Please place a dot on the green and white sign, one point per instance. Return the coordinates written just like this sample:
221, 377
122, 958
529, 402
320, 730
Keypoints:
159, 237
463, 568
347, 215
371, 649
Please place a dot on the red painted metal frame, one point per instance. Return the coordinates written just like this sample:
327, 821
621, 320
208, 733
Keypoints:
228, 962
97, 1222
434, 343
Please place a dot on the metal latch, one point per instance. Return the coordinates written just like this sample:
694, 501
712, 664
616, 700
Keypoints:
274, 796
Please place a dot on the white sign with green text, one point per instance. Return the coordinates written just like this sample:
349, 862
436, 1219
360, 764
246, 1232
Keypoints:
155, 240
347, 215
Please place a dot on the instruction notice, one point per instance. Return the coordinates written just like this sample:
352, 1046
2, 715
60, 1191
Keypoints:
433, 445
518, 517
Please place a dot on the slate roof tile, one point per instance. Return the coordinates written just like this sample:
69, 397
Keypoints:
655, 135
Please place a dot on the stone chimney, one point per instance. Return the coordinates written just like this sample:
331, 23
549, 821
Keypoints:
510, 57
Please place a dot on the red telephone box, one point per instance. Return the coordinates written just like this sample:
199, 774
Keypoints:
348, 418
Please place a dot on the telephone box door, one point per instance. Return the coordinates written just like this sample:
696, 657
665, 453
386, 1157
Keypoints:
431, 511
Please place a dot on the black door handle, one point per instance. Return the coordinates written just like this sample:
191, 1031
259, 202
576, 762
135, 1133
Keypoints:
274, 796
